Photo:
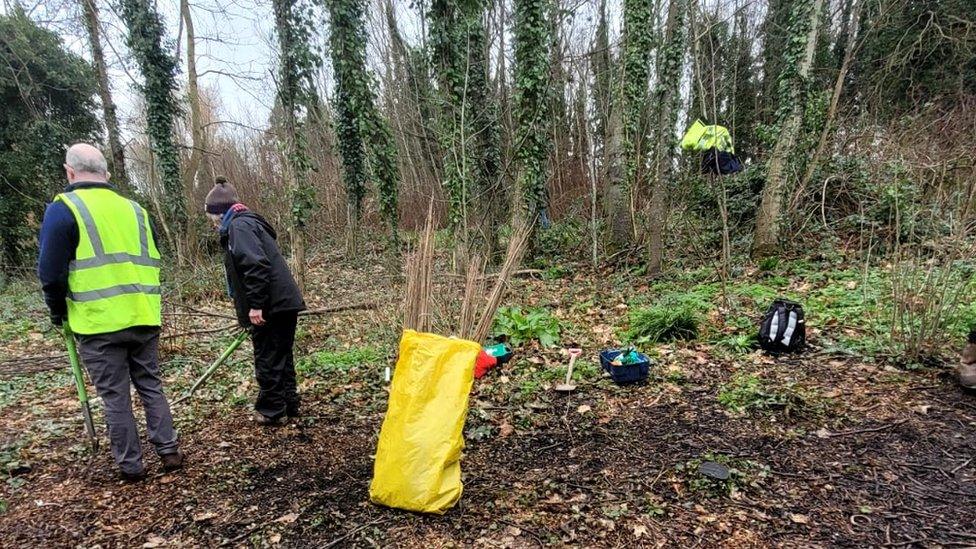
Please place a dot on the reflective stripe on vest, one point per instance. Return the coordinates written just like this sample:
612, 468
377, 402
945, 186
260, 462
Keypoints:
113, 282
121, 289
102, 258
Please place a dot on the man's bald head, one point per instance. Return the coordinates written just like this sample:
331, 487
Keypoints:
84, 162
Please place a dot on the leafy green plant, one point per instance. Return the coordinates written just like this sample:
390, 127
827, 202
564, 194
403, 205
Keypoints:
663, 322
768, 264
743, 474
529, 388
582, 370
520, 325
555, 272
737, 343
339, 361
746, 393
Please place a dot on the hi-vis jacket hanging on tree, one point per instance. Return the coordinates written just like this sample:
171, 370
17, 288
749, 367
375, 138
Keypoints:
715, 144
418, 456
114, 277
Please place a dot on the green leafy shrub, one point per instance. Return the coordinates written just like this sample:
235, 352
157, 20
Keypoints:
519, 326
663, 322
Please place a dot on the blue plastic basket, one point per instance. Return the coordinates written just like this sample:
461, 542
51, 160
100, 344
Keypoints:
628, 373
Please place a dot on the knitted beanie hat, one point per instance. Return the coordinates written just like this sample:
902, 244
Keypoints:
221, 197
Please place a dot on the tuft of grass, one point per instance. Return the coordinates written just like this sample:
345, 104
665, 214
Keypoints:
737, 343
663, 322
746, 393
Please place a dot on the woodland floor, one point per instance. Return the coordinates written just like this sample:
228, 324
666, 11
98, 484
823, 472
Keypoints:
864, 453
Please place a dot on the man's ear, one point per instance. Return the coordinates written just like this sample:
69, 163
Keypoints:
108, 176
69, 172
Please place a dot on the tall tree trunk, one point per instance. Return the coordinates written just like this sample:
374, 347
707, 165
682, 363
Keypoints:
146, 34
666, 104
116, 151
191, 178
804, 29
532, 42
845, 33
503, 93
295, 91
630, 116
828, 127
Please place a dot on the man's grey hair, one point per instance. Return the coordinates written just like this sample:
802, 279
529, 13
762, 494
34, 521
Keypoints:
84, 158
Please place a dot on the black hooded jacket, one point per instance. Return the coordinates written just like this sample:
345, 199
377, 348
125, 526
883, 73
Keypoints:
256, 271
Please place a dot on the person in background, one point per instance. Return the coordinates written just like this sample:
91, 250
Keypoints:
266, 298
967, 364
99, 271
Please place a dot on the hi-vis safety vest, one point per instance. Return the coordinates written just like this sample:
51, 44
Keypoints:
701, 138
113, 282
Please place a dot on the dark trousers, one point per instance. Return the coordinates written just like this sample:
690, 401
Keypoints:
113, 361
274, 365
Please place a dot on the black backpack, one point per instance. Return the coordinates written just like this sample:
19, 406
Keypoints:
783, 329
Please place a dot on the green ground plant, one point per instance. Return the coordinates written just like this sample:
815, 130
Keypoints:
665, 321
748, 393
743, 475
519, 325
326, 362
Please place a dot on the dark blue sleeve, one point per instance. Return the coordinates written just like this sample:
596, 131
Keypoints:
58, 241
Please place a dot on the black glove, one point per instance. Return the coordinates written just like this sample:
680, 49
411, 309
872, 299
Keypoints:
58, 319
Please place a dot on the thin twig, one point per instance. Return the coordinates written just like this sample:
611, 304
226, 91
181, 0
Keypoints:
351, 533
870, 430
340, 308
201, 332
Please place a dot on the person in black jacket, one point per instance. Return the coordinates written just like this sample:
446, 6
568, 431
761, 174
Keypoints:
266, 298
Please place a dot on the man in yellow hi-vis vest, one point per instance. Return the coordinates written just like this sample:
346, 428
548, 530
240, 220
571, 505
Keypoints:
99, 269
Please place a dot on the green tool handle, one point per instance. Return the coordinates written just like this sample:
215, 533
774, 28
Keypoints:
69, 340
213, 367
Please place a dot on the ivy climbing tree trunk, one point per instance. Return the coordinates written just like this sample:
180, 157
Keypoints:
797, 59
296, 94
365, 139
828, 126
468, 121
666, 105
158, 68
531, 88
609, 135
487, 135
111, 119
638, 41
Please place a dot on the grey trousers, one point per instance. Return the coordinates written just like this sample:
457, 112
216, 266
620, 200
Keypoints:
112, 361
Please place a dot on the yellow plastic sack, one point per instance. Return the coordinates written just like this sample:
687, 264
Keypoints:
417, 465
700, 137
